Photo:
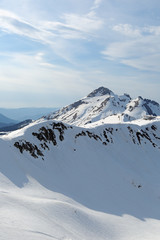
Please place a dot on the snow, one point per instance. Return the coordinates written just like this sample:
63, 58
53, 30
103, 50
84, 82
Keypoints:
82, 189
103, 104
94, 176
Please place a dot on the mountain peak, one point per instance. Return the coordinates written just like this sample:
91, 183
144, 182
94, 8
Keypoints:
103, 106
100, 92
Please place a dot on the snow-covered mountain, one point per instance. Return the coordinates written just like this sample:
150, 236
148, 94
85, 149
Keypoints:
102, 104
64, 182
101, 181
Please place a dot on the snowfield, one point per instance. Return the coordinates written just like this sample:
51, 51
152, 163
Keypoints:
64, 182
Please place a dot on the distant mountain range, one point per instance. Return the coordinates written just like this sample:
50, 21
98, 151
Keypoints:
21, 114
17, 118
105, 106
15, 126
5, 121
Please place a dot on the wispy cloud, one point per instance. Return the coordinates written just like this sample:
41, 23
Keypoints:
149, 63
53, 44
46, 76
96, 4
128, 30
139, 49
134, 31
70, 24
84, 23
54, 34
155, 30
74, 26
11, 23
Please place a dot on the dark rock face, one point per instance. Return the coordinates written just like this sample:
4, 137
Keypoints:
77, 104
149, 111
142, 136
45, 136
53, 134
101, 91
29, 147
127, 95
103, 104
151, 102
89, 134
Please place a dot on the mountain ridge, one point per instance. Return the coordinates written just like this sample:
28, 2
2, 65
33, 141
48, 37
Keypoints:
103, 104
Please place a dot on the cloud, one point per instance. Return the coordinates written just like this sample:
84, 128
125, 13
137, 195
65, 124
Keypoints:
57, 35
155, 30
74, 26
11, 23
71, 25
128, 30
149, 63
30, 73
83, 23
96, 4
136, 32
60, 44
139, 49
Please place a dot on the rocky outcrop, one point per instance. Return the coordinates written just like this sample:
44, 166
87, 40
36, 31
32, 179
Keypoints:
53, 134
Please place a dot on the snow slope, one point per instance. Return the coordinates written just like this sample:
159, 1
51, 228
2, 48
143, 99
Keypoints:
103, 104
59, 181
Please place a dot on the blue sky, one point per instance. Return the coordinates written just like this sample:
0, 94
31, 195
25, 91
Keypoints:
54, 52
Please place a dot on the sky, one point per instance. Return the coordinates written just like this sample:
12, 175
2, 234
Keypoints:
55, 52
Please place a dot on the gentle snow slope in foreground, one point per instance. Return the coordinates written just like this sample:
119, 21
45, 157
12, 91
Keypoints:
100, 183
